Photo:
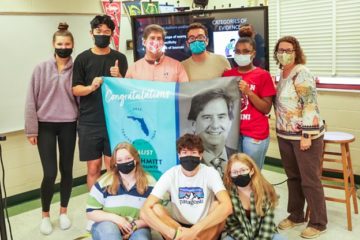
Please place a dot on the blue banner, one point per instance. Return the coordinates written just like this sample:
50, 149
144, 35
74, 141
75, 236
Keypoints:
152, 115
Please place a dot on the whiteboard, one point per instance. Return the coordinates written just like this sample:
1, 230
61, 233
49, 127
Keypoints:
25, 41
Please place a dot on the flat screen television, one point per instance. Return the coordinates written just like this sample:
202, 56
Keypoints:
222, 24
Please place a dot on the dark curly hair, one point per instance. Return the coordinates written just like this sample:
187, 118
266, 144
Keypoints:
191, 142
299, 54
102, 19
249, 40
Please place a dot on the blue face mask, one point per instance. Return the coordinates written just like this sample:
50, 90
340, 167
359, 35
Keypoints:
198, 47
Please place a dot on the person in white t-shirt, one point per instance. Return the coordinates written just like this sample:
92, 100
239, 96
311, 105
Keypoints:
192, 186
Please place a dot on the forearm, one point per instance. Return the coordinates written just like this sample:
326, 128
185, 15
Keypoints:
31, 123
81, 90
218, 215
148, 215
141, 223
100, 216
260, 104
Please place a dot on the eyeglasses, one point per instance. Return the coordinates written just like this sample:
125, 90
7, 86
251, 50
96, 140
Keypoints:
288, 51
197, 38
241, 171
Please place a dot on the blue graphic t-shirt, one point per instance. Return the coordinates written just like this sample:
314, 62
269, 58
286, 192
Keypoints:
191, 197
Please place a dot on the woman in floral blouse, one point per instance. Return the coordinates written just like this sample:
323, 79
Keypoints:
300, 136
253, 199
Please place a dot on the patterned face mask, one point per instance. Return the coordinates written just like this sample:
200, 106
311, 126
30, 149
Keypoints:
154, 47
285, 58
198, 47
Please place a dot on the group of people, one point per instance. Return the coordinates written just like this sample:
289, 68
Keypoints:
126, 203
64, 98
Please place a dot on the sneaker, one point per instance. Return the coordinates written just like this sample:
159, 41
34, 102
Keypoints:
288, 224
45, 226
89, 225
310, 232
64, 221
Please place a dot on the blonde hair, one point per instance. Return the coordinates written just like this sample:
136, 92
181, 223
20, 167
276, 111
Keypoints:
264, 192
141, 178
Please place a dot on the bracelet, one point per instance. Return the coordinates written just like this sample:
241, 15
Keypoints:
177, 232
133, 225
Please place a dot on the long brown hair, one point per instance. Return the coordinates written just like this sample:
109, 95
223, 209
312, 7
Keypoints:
141, 179
299, 54
263, 191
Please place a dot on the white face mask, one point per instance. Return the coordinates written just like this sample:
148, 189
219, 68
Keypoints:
242, 59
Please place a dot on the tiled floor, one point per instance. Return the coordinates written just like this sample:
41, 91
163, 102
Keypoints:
25, 225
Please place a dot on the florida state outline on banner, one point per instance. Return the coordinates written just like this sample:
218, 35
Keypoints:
113, 9
152, 115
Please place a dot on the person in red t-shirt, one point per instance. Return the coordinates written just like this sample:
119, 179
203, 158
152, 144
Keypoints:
257, 91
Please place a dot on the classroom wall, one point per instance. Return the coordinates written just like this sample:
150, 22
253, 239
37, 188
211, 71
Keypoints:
341, 110
21, 160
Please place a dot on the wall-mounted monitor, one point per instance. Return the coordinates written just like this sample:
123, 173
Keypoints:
223, 26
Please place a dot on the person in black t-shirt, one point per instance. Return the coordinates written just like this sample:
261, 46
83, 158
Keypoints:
89, 68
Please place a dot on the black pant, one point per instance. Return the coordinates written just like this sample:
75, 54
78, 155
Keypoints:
49, 134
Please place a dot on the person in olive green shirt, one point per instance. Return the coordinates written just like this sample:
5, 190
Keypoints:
202, 65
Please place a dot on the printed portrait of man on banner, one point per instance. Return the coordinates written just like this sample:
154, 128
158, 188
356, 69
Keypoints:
152, 115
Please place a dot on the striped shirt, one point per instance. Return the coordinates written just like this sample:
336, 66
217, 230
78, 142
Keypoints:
125, 203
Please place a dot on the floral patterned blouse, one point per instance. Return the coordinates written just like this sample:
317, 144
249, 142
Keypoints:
296, 106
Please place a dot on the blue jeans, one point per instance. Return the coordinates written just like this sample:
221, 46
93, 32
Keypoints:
110, 231
276, 236
256, 149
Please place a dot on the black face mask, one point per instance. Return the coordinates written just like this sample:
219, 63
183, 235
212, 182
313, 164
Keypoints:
189, 163
126, 168
241, 180
63, 52
102, 41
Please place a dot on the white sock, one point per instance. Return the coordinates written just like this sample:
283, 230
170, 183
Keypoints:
89, 225
45, 226
65, 222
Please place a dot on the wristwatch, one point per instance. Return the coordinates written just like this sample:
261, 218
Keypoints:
306, 135
133, 225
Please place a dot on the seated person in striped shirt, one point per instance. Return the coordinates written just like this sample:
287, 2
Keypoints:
115, 200
193, 186
253, 199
